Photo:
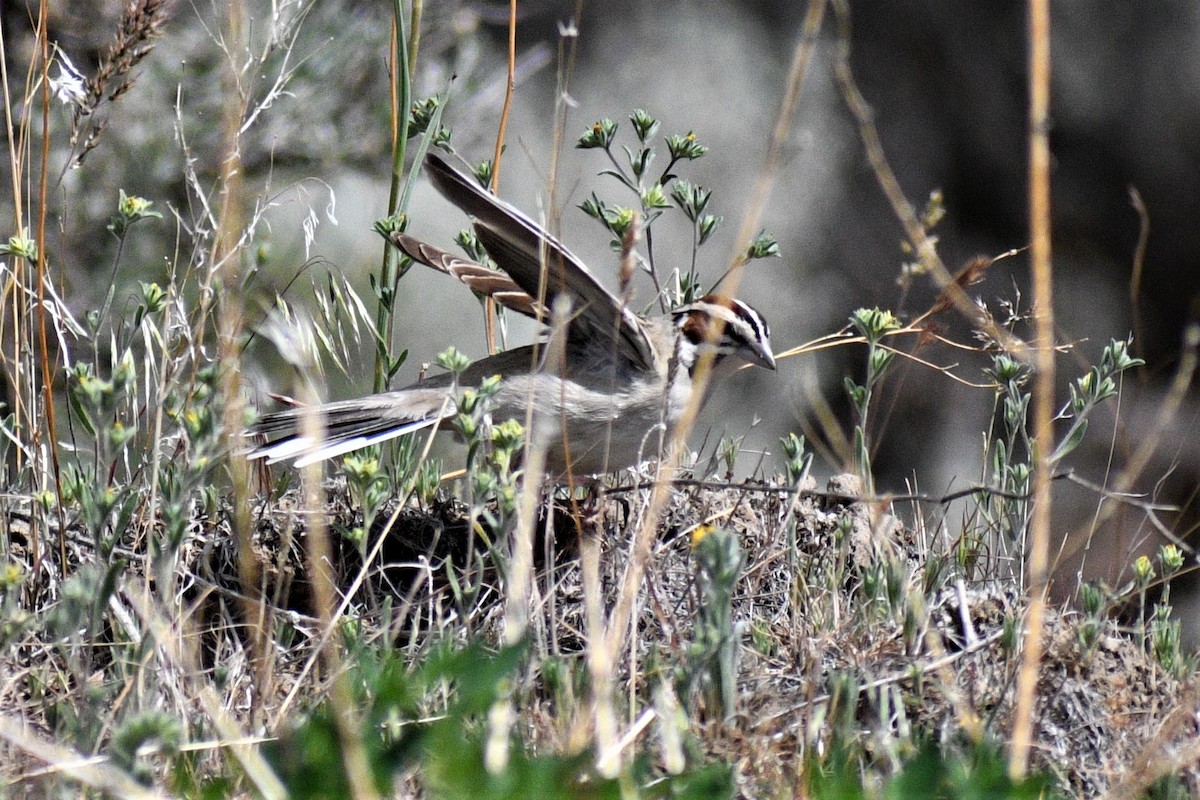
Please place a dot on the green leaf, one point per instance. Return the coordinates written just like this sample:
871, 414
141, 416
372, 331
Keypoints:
1073, 440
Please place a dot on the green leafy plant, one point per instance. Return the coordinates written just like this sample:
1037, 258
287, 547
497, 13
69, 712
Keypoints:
448, 748
713, 653
874, 326
655, 192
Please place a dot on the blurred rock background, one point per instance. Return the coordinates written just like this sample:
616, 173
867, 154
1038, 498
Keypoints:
946, 81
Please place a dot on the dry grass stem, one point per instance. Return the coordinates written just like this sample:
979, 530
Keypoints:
1044, 406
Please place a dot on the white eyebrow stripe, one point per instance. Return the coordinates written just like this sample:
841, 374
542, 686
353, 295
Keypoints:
754, 320
727, 315
746, 320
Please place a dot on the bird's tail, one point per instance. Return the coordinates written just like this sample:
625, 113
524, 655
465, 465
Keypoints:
347, 425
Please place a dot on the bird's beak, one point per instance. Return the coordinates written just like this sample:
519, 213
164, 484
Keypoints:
766, 358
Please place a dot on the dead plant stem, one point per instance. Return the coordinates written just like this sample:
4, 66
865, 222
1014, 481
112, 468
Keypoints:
1043, 399
43, 344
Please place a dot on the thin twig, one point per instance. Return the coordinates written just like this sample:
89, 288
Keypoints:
835, 497
43, 195
510, 86
1137, 269
1043, 396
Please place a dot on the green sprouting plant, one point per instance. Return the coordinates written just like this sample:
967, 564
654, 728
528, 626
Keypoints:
185, 483
20, 246
798, 459
929, 769
470, 420
102, 408
1165, 631
1011, 448
369, 487
1143, 573
109, 411
420, 118
798, 464
152, 731
130, 210
424, 115
1170, 559
655, 192
493, 452
392, 266
1090, 390
14, 618
873, 325
1165, 639
1093, 602
712, 655
427, 482
728, 448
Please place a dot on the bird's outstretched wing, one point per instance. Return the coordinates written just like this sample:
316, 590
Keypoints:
517, 244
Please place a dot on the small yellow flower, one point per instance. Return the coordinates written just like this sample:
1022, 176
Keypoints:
11, 575
133, 205
699, 533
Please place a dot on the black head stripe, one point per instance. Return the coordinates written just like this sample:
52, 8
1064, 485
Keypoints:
753, 319
743, 327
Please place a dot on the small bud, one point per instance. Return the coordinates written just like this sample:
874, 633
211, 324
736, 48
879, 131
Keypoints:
452, 360
873, 324
1171, 559
130, 209
483, 172
154, 297
619, 220
1006, 370
707, 224
594, 207
508, 435
763, 246
1143, 571
386, 226
644, 125
361, 469
600, 135
20, 246
654, 198
685, 147
1091, 598
421, 115
45, 499
119, 435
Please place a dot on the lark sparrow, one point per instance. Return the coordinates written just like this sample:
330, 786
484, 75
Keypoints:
623, 379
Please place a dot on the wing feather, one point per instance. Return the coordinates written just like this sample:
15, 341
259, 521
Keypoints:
516, 243
480, 279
